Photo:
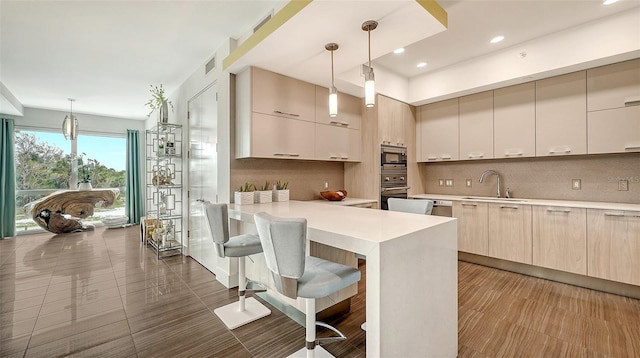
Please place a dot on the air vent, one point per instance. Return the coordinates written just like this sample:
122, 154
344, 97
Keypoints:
210, 65
261, 23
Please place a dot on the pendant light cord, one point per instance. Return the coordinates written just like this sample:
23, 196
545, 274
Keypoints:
332, 80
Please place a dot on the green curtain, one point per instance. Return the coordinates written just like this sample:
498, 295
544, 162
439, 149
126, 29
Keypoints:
7, 179
134, 194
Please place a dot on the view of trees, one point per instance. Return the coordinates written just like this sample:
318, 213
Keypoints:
40, 165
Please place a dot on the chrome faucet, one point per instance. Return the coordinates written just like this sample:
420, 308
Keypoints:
491, 171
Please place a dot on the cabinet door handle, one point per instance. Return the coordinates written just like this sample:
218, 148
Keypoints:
432, 157
513, 154
473, 155
345, 157
508, 207
334, 157
632, 147
287, 114
286, 155
294, 154
469, 204
340, 123
614, 214
560, 151
446, 156
632, 100
558, 210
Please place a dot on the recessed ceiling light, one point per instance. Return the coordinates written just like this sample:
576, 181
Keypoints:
609, 2
497, 39
421, 64
398, 50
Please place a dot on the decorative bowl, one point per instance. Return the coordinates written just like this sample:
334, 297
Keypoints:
337, 195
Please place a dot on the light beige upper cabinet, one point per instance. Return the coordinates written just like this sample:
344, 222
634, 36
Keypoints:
349, 109
560, 238
561, 115
282, 96
614, 131
613, 86
510, 235
391, 126
476, 126
337, 143
614, 245
473, 230
437, 131
285, 138
613, 101
514, 121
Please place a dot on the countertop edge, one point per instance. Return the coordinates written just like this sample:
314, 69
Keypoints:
534, 202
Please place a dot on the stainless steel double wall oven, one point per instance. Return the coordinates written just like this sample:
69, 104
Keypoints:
393, 174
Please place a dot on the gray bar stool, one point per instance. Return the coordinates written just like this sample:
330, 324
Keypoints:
297, 275
423, 207
246, 310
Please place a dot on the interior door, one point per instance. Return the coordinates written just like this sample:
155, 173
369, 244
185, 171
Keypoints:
203, 172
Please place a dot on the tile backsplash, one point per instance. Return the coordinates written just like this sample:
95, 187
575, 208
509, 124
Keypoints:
306, 178
542, 178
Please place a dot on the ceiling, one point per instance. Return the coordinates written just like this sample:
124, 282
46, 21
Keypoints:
105, 54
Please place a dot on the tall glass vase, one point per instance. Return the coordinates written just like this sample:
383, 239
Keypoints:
164, 112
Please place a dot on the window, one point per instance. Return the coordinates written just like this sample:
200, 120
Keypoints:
45, 163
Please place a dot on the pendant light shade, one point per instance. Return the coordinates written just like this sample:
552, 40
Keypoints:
333, 91
70, 124
369, 77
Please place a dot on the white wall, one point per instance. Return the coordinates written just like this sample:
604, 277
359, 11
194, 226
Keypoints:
612, 39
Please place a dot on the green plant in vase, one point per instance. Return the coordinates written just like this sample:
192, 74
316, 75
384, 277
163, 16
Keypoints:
159, 101
282, 191
245, 195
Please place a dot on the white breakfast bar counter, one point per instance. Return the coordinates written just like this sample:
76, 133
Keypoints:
412, 271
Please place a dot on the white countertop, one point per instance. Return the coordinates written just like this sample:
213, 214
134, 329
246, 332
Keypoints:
537, 202
346, 202
373, 226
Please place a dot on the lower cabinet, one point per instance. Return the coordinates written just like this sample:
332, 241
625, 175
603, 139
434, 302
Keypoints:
510, 236
614, 245
560, 238
473, 231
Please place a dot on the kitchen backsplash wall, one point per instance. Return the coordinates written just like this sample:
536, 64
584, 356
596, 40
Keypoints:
542, 178
306, 178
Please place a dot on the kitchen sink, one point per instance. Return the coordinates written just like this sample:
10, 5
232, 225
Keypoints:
492, 198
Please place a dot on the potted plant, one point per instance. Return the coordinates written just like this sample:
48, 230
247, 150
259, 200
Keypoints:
84, 172
281, 191
245, 195
264, 194
160, 102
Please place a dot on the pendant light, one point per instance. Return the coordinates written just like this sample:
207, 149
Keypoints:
369, 78
333, 92
70, 124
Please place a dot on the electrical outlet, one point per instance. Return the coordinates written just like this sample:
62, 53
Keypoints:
448, 182
576, 184
440, 182
623, 185
469, 181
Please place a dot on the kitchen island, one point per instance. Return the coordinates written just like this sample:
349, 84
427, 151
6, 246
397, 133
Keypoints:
412, 271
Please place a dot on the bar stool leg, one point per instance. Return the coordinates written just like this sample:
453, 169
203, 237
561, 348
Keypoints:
244, 311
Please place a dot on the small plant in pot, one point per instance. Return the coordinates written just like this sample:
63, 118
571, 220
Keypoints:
264, 194
84, 172
245, 195
281, 191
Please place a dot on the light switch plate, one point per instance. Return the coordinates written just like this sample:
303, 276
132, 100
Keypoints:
440, 182
469, 181
623, 185
448, 182
576, 184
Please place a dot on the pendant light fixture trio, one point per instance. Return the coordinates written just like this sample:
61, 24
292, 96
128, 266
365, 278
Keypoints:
333, 92
70, 124
369, 78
